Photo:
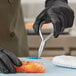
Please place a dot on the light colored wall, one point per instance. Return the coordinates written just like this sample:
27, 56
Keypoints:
73, 6
31, 8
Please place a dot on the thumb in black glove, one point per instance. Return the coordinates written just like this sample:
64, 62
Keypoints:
7, 61
59, 13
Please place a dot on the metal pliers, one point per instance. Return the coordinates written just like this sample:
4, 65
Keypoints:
43, 40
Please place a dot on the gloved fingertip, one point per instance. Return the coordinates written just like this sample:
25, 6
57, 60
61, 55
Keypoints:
19, 63
56, 35
37, 32
36, 29
12, 70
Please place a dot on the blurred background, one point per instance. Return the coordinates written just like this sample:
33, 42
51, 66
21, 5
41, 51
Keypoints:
64, 44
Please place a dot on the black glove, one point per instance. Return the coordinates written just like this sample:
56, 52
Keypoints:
7, 61
59, 13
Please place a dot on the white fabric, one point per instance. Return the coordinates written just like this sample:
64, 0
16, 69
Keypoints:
65, 61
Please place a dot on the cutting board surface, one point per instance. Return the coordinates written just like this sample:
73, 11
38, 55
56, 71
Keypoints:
51, 69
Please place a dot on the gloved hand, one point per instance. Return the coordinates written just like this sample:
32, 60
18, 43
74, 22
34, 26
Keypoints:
7, 61
59, 13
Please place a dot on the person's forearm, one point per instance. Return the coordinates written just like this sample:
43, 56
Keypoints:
50, 2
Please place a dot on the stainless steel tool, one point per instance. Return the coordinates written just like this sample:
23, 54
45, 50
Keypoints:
43, 40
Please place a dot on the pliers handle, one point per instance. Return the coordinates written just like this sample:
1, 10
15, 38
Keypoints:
43, 42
